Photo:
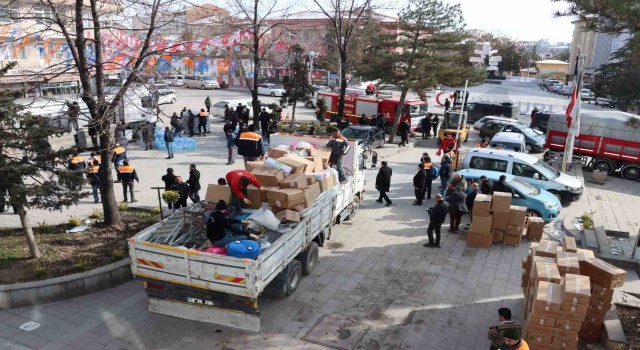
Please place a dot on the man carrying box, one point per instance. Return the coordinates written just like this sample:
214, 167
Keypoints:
238, 181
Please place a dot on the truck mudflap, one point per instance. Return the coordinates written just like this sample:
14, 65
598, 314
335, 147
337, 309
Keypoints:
202, 305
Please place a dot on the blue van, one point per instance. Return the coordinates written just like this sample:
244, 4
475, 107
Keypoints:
538, 202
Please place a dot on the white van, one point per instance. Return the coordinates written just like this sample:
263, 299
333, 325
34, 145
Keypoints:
511, 141
200, 82
528, 168
174, 80
217, 110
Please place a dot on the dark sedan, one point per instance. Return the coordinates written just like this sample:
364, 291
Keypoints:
370, 135
533, 139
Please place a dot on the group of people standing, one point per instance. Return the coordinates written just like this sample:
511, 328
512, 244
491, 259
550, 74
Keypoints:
428, 123
187, 190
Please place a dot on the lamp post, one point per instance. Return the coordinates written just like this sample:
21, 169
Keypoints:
312, 55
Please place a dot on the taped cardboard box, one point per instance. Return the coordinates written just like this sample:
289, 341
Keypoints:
217, 193
546, 271
517, 215
568, 315
311, 179
560, 343
537, 335
265, 192
310, 194
512, 241
254, 194
481, 224
569, 244
499, 221
603, 273
288, 216
600, 291
252, 164
286, 197
317, 163
298, 164
575, 308
274, 163
564, 333
268, 176
535, 228
547, 248
479, 239
577, 289
482, 205
514, 231
297, 208
548, 297
278, 152
543, 320
498, 236
501, 202
294, 181
568, 263
322, 152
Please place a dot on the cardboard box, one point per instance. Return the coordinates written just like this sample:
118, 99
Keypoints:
535, 228
575, 308
546, 271
514, 231
569, 244
564, 333
310, 194
517, 215
501, 202
567, 263
543, 320
601, 300
479, 239
603, 273
311, 179
252, 164
547, 248
278, 152
274, 163
537, 335
598, 291
560, 343
572, 316
298, 164
548, 297
568, 325
268, 176
286, 197
297, 208
482, 205
323, 152
288, 216
481, 224
500, 221
265, 192
324, 184
498, 236
512, 241
217, 193
254, 194
294, 181
317, 163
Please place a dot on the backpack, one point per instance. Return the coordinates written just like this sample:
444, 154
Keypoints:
434, 171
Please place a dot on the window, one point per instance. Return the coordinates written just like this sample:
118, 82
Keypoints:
525, 170
42, 14
491, 164
7, 12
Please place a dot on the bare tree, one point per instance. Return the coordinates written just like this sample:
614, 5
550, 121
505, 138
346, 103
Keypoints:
345, 17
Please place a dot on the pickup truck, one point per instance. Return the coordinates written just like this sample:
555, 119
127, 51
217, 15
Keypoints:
225, 290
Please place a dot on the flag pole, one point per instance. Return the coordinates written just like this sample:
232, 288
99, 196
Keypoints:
570, 139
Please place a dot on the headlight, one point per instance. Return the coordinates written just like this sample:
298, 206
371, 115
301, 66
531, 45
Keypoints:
572, 189
549, 205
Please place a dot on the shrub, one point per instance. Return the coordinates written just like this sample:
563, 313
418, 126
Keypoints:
44, 229
170, 197
587, 221
321, 109
123, 206
82, 264
117, 253
155, 211
96, 214
39, 270
74, 221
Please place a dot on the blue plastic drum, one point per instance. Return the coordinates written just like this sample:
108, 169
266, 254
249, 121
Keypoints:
243, 249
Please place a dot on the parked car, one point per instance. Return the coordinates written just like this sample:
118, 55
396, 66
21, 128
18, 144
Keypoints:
217, 110
271, 90
478, 110
200, 82
566, 90
538, 202
586, 95
161, 86
511, 141
605, 102
166, 96
534, 139
528, 168
174, 80
477, 125
366, 135
555, 88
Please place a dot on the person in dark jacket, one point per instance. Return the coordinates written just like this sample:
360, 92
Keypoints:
502, 186
127, 174
445, 172
93, 133
457, 207
168, 141
176, 123
533, 117
339, 147
426, 127
148, 135
419, 183
404, 130
169, 180
220, 229
194, 184
191, 123
383, 182
380, 121
363, 119
447, 105
486, 185
437, 215
183, 190
265, 118
207, 104
250, 145
94, 179
471, 197
434, 124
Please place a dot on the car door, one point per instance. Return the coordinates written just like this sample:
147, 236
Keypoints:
261, 90
530, 175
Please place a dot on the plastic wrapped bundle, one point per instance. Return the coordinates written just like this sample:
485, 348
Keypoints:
179, 143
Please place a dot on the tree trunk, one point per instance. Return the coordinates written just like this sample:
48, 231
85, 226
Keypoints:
293, 114
343, 83
28, 231
107, 195
256, 65
396, 120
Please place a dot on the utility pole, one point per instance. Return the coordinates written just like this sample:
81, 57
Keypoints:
572, 131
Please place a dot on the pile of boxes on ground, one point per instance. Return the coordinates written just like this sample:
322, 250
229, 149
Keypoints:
567, 294
291, 181
495, 220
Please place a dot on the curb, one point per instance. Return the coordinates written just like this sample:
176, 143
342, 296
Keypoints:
65, 287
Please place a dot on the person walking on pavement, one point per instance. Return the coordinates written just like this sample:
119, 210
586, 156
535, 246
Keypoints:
250, 145
426, 127
77, 163
202, 122
471, 197
169, 180
447, 105
496, 331
502, 186
419, 183
191, 123
230, 145
445, 172
148, 135
265, 118
383, 182
486, 185
118, 155
168, 141
434, 125
533, 117
404, 130
183, 190
93, 133
176, 123
194, 184
227, 112
73, 113
446, 144
127, 174
339, 147
457, 207
437, 215
207, 104
94, 179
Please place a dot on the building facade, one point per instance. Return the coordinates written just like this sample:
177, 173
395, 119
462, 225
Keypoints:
598, 48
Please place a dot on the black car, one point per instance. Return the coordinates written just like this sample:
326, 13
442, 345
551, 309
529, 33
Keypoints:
478, 110
366, 135
533, 139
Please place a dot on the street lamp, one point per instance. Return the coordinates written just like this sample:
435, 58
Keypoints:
312, 55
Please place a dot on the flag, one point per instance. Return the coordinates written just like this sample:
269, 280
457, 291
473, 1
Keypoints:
573, 118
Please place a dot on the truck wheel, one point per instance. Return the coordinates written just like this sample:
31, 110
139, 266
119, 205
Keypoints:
355, 205
630, 172
309, 258
606, 165
294, 273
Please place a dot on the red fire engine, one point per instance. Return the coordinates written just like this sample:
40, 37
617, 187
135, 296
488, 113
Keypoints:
355, 106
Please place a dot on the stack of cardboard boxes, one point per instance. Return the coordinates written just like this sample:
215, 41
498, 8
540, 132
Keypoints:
563, 302
495, 220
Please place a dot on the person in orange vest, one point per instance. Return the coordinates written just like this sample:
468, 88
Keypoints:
426, 161
513, 340
238, 181
202, 122
95, 156
118, 156
483, 144
94, 179
127, 174
445, 144
77, 162
250, 145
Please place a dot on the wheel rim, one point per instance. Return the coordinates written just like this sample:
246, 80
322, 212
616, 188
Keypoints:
528, 148
603, 166
295, 279
631, 173
533, 214
273, 94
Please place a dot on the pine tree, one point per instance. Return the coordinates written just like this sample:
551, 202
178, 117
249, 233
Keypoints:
32, 173
296, 84
431, 47
620, 78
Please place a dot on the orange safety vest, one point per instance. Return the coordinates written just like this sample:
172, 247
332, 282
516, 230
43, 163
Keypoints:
94, 169
126, 169
76, 160
119, 150
427, 165
250, 136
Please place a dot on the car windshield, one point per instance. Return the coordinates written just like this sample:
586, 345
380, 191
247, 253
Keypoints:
585, 91
547, 170
359, 134
418, 110
528, 132
207, 78
524, 187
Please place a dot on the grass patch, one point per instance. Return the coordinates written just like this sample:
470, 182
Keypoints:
74, 221
96, 214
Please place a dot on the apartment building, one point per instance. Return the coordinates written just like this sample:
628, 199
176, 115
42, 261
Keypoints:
598, 48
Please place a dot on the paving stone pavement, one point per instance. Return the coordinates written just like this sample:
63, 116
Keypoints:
373, 270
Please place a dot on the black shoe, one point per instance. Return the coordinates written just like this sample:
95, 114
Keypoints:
429, 245
429, 197
134, 201
379, 200
168, 158
417, 203
388, 204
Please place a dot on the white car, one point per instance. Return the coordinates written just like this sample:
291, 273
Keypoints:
200, 82
174, 80
161, 87
166, 96
271, 90
217, 110
477, 125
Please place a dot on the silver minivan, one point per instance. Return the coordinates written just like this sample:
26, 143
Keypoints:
174, 80
200, 82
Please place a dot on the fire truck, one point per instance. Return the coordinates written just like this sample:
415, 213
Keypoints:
609, 141
355, 106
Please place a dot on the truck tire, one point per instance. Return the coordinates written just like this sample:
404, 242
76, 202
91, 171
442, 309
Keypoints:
309, 258
603, 164
353, 210
293, 276
630, 172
